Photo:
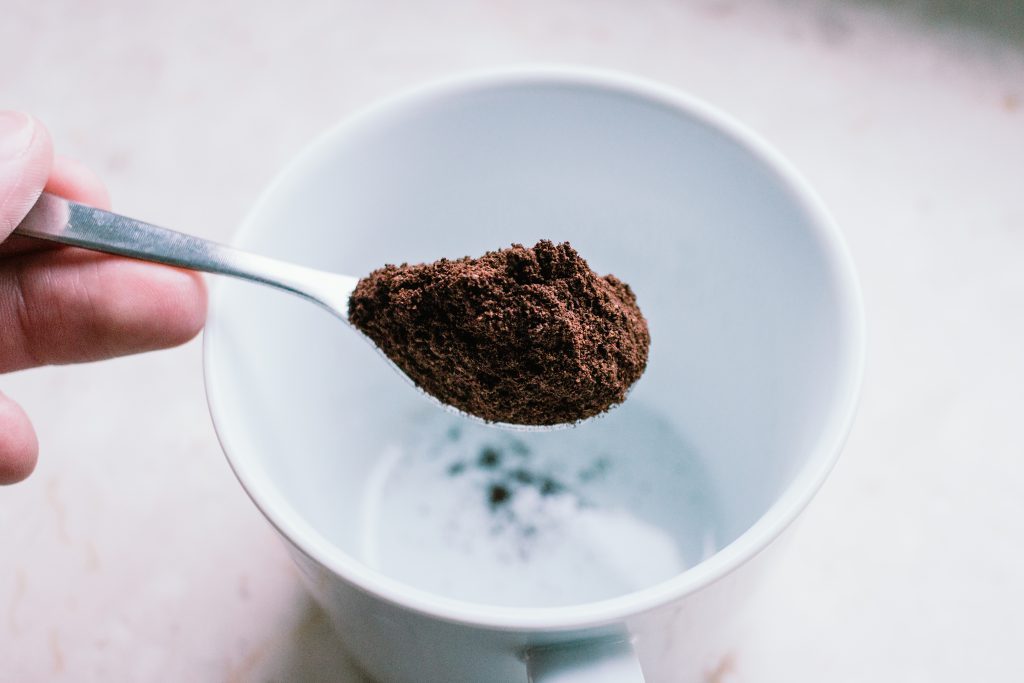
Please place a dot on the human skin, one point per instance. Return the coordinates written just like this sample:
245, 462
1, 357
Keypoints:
64, 305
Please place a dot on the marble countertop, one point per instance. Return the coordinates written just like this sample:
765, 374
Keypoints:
133, 554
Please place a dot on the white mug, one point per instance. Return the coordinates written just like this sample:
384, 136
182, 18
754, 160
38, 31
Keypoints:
453, 552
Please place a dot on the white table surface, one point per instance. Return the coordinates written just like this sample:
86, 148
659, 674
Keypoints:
133, 554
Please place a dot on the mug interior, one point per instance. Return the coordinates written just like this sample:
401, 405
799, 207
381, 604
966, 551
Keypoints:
749, 389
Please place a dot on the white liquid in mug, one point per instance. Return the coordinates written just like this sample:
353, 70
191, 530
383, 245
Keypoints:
537, 519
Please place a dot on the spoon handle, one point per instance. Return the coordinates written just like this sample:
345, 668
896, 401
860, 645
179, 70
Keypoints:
61, 220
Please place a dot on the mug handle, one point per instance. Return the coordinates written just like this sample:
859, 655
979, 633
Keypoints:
584, 661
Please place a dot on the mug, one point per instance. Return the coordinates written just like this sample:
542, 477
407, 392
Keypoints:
451, 551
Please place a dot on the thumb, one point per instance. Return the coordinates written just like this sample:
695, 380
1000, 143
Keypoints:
18, 445
26, 155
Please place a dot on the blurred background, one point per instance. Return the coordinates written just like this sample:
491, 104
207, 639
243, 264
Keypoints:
133, 554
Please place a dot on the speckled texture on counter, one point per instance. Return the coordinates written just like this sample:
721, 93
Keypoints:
133, 554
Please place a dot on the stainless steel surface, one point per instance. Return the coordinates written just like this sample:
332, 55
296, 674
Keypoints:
61, 220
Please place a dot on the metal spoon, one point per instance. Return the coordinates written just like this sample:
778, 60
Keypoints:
62, 220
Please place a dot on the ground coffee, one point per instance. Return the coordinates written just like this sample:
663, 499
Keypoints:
522, 335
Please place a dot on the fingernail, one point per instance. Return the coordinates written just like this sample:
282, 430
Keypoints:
16, 131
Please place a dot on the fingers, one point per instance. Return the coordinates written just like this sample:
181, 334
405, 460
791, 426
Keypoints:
70, 179
74, 180
18, 445
26, 167
70, 305
64, 305
26, 155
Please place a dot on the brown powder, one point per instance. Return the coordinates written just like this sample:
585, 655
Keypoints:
526, 336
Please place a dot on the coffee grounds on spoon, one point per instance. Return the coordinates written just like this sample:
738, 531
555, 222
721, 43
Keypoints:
528, 336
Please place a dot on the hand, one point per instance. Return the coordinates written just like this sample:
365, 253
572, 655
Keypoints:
66, 305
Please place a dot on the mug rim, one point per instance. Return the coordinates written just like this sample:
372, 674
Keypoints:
779, 515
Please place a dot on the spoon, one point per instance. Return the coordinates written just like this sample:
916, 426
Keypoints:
61, 220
